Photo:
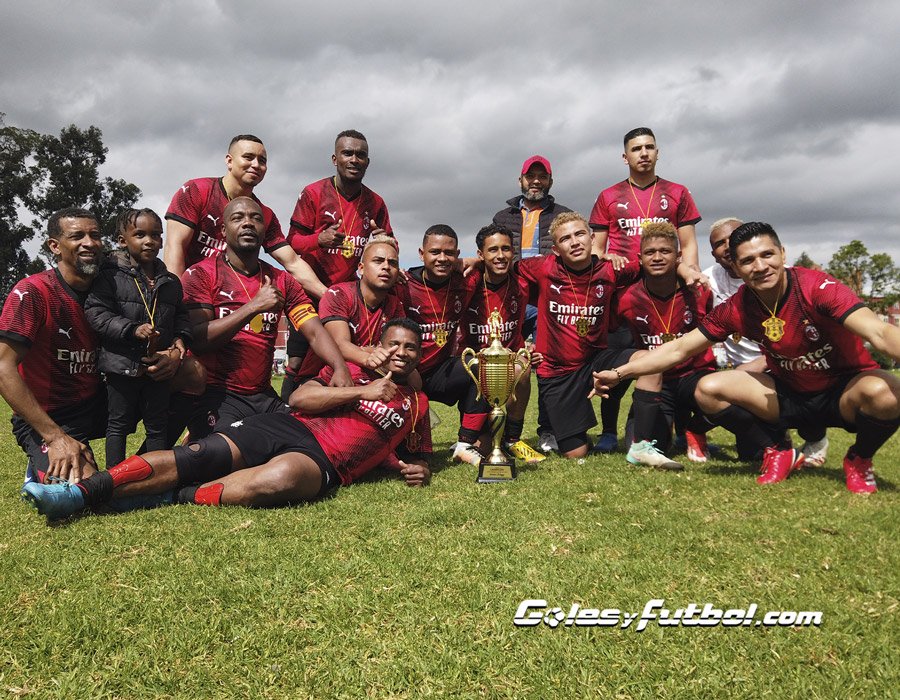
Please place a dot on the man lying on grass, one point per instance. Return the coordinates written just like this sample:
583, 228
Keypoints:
334, 436
810, 328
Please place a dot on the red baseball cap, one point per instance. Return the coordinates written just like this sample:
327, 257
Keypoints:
536, 159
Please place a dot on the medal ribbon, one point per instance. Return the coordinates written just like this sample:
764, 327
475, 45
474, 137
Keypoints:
665, 324
644, 214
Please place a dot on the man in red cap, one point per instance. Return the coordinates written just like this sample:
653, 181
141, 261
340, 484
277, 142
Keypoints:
528, 219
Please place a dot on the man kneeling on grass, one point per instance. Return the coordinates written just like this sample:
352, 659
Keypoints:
334, 436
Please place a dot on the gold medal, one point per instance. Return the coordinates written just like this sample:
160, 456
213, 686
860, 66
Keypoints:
256, 323
347, 247
440, 337
736, 338
668, 337
774, 328
582, 324
413, 442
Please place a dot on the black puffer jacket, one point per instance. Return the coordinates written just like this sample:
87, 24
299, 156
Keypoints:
511, 219
114, 309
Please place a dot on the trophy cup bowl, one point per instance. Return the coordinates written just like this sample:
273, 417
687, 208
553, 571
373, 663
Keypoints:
499, 370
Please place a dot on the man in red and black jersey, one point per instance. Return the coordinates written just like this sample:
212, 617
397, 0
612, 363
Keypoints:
336, 435
496, 289
355, 312
235, 301
616, 219
434, 296
573, 290
331, 222
195, 228
48, 354
658, 309
810, 328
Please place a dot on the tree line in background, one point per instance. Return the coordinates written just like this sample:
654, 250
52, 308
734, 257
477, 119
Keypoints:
41, 173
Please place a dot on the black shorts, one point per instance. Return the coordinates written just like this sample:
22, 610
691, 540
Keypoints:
219, 407
678, 394
449, 383
565, 397
812, 411
85, 421
262, 437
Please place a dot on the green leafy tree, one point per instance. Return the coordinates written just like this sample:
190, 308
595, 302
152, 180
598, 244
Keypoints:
16, 146
67, 173
805, 261
874, 278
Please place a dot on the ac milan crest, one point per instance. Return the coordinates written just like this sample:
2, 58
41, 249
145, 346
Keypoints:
811, 332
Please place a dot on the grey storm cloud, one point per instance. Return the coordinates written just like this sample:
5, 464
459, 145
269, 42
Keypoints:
786, 112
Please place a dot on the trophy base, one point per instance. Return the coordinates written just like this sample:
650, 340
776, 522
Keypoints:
494, 472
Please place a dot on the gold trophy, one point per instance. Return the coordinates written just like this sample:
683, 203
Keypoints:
496, 381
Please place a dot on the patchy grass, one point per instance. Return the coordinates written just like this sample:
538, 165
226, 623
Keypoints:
388, 592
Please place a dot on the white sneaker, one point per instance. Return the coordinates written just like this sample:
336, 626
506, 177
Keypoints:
645, 453
468, 453
815, 453
547, 442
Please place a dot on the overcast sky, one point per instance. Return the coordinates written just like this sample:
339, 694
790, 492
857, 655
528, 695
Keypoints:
782, 112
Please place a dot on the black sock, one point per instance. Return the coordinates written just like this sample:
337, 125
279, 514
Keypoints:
513, 431
646, 414
872, 433
609, 414
741, 422
186, 494
97, 488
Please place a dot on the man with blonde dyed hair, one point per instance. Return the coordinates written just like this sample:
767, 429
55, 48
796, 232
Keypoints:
574, 290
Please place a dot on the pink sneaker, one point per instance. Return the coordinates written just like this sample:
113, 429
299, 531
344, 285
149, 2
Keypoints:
777, 464
860, 477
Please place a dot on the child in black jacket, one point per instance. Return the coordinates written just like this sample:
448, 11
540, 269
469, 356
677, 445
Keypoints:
136, 307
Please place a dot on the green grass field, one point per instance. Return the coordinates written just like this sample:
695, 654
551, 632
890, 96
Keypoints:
389, 592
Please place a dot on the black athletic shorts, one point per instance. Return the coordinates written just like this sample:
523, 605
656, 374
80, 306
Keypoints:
262, 437
84, 421
678, 393
812, 411
449, 383
219, 407
565, 397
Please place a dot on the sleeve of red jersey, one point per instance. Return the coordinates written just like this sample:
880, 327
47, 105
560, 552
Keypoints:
628, 275
24, 312
198, 291
297, 306
303, 236
383, 219
833, 298
529, 269
274, 238
186, 205
688, 214
599, 215
722, 321
334, 305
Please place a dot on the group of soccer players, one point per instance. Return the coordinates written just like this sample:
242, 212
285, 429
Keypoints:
598, 303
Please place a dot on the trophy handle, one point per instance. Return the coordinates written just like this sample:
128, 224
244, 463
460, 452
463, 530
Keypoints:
525, 358
472, 358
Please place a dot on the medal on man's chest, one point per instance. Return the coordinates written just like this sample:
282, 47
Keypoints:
347, 247
440, 337
668, 337
256, 323
582, 324
774, 328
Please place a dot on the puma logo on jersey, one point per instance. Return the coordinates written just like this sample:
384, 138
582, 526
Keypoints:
623, 205
642, 319
353, 326
826, 283
230, 295
333, 291
237, 424
416, 308
331, 214
556, 288
214, 219
184, 188
19, 294
66, 332
190, 270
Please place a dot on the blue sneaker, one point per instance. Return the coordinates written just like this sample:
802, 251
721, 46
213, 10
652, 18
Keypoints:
607, 443
56, 501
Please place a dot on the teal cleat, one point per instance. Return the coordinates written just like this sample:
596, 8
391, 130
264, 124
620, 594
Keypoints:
56, 501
